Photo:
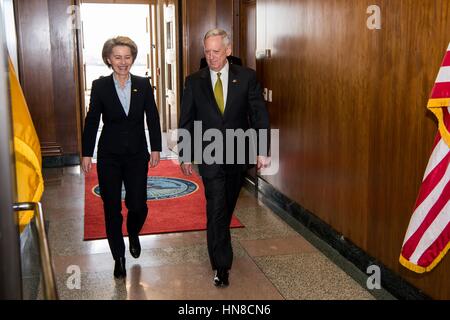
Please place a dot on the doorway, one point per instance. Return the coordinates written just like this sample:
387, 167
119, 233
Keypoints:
168, 22
247, 33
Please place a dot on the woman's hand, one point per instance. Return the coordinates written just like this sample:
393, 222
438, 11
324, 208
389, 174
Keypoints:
154, 159
86, 164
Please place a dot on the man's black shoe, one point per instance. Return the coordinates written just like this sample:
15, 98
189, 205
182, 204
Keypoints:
119, 268
135, 246
221, 278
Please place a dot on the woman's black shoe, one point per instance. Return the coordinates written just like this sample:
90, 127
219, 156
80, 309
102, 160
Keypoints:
119, 268
135, 246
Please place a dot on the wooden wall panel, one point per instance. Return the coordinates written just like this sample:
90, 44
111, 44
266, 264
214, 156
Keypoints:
402, 131
47, 60
350, 104
36, 66
247, 41
318, 106
199, 17
224, 14
66, 104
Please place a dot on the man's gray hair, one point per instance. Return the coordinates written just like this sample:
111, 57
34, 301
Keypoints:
218, 32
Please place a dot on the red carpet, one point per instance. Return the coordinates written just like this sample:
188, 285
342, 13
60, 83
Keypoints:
180, 213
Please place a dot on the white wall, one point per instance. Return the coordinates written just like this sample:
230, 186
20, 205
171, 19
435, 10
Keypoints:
10, 29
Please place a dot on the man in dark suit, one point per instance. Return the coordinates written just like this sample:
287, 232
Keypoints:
122, 99
222, 96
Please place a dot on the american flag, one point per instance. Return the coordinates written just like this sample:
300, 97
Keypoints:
427, 238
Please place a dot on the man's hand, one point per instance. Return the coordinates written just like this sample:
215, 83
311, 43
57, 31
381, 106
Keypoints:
86, 164
186, 168
262, 162
154, 159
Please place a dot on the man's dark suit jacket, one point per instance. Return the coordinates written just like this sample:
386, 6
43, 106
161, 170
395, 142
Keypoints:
231, 60
121, 134
245, 108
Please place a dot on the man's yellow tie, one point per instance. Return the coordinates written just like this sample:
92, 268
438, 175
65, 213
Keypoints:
218, 93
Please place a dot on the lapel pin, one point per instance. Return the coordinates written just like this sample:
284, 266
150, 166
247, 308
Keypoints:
135, 90
235, 81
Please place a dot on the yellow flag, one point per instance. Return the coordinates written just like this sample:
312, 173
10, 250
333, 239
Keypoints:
27, 149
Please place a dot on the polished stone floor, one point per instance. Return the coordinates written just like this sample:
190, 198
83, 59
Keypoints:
272, 260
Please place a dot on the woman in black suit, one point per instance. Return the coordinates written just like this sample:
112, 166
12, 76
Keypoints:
122, 99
